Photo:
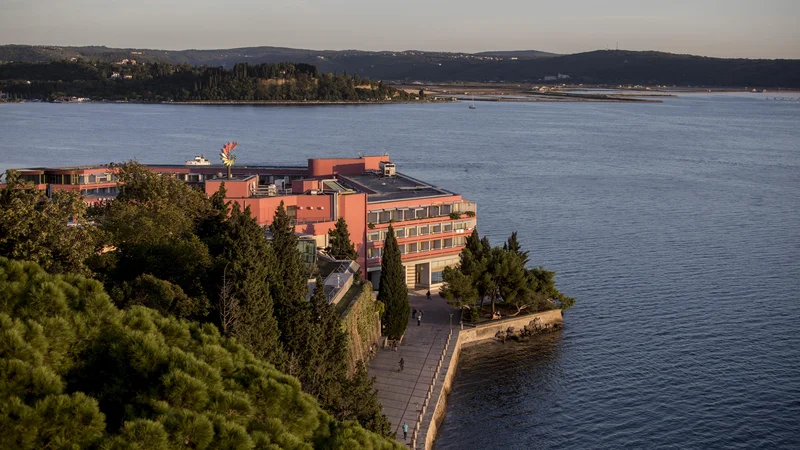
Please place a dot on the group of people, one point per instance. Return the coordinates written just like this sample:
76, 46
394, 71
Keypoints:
417, 315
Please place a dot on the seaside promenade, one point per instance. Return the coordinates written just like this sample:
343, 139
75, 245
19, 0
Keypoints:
403, 393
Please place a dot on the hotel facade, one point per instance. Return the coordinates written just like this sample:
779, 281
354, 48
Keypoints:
431, 223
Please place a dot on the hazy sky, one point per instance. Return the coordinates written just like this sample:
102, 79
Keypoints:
728, 28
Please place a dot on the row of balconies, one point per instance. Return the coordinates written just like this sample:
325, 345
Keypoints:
422, 212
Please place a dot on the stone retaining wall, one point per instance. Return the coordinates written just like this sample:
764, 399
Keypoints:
362, 323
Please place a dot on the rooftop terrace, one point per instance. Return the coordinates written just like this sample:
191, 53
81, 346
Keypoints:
381, 188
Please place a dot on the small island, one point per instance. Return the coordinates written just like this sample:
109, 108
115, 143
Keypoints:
281, 83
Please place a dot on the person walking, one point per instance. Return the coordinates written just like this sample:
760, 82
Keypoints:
402, 364
405, 431
419, 319
414, 313
428, 294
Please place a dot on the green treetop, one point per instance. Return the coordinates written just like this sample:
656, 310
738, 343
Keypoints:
244, 304
512, 244
87, 375
392, 290
36, 228
288, 286
340, 245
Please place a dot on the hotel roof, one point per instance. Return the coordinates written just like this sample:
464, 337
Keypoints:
381, 188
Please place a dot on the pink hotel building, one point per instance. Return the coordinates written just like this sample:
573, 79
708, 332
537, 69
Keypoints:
431, 223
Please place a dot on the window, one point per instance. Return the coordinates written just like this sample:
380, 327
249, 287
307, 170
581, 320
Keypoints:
411, 232
459, 240
386, 216
373, 253
421, 213
402, 248
436, 228
446, 209
424, 246
412, 247
423, 230
437, 277
448, 227
448, 243
383, 234
372, 217
461, 225
400, 232
409, 214
437, 244
397, 215
372, 237
433, 211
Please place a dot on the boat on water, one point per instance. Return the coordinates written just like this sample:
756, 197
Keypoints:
472, 106
199, 160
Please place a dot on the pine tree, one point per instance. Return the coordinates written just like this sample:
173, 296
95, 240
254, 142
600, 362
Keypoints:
341, 247
247, 258
392, 290
513, 245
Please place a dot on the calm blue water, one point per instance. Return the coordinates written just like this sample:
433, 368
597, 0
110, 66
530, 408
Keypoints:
675, 226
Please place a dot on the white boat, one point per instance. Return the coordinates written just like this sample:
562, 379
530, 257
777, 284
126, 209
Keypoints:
198, 161
472, 106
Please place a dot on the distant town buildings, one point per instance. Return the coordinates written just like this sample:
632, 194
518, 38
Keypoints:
560, 76
431, 224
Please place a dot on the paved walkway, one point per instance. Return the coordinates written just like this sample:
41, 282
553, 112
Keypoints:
403, 393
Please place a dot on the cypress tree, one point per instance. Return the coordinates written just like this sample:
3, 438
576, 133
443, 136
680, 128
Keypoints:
288, 288
245, 298
392, 290
341, 247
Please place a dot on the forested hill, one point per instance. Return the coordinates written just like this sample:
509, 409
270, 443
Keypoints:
169, 82
598, 67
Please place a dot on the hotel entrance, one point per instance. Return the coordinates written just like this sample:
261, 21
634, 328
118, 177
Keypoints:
422, 275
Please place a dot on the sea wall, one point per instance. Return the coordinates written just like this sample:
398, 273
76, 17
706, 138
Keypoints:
361, 320
473, 335
488, 330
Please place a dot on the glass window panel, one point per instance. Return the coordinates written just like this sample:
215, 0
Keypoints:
437, 277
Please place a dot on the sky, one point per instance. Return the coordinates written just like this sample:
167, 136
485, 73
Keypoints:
723, 28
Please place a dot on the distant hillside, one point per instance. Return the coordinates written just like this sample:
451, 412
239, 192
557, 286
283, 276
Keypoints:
519, 54
598, 67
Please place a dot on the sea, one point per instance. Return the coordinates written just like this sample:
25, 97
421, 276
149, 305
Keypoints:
675, 225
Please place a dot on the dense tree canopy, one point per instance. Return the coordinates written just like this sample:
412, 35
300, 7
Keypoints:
165, 245
500, 274
49, 231
164, 82
77, 373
